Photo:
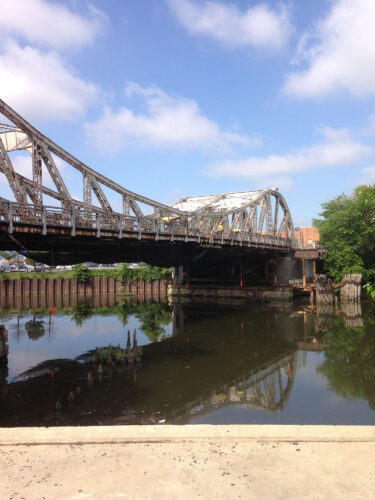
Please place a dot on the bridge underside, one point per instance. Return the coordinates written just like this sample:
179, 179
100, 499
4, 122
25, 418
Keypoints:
207, 261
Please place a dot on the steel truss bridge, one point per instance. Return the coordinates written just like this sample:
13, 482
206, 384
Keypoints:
76, 230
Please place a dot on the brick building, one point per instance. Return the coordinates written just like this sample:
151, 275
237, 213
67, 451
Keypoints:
307, 237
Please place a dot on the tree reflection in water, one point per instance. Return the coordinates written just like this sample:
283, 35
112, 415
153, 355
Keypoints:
153, 317
35, 328
349, 362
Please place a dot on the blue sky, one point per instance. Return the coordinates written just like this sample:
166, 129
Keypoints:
187, 97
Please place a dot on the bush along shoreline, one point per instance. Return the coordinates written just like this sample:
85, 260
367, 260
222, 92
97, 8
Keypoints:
82, 274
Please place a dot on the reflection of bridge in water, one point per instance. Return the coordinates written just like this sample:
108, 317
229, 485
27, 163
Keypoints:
267, 388
198, 370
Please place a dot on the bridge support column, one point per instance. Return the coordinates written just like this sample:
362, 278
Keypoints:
178, 275
270, 271
303, 273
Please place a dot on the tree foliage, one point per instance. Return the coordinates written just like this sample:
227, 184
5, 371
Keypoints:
81, 274
144, 272
8, 255
347, 231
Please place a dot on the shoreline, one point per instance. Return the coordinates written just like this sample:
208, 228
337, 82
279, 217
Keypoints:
12, 436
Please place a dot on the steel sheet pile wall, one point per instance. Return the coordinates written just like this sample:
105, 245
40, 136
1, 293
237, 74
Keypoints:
68, 286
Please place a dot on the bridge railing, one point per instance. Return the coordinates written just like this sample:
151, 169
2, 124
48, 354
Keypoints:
72, 219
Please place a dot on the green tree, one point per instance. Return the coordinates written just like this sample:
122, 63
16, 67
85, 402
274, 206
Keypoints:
8, 255
81, 273
347, 231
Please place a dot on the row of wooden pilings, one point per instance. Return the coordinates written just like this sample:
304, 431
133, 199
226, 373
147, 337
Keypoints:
350, 289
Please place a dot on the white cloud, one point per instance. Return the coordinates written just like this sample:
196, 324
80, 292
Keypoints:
340, 53
48, 23
40, 84
337, 150
368, 176
34, 78
335, 134
370, 129
167, 122
259, 26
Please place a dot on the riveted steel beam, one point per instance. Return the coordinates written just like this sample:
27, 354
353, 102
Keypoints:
7, 168
37, 172
65, 198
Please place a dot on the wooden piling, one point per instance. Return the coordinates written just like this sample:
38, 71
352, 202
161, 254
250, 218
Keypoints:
325, 293
351, 287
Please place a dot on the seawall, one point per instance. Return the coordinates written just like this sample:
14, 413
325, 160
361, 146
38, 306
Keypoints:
69, 286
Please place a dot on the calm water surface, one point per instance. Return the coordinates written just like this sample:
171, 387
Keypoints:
195, 363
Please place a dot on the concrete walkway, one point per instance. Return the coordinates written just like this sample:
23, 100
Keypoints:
173, 462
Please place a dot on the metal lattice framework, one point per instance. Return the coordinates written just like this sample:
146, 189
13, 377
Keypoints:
260, 217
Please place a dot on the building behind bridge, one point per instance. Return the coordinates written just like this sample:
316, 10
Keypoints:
307, 237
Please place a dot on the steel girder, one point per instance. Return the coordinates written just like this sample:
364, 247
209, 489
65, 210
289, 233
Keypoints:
261, 213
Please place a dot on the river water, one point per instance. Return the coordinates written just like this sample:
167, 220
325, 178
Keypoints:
143, 362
